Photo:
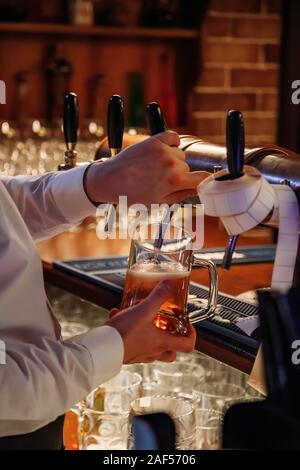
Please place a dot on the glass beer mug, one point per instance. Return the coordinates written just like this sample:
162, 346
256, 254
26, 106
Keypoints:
173, 261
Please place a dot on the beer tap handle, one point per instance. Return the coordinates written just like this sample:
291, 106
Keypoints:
71, 119
235, 143
156, 120
115, 124
70, 128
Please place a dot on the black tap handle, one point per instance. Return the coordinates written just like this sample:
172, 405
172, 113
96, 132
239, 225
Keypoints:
156, 120
71, 118
235, 143
115, 122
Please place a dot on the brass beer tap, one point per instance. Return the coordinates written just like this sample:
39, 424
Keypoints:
70, 127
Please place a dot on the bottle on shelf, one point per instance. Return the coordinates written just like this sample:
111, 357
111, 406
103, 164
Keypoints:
58, 75
118, 12
167, 94
95, 126
13, 11
136, 100
160, 13
81, 12
21, 101
45, 12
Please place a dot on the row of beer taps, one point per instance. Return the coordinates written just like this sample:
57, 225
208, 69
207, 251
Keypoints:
235, 141
115, 125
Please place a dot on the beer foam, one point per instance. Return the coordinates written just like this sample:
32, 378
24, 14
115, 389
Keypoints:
164, 269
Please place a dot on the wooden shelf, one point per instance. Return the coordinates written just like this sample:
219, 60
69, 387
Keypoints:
97, 31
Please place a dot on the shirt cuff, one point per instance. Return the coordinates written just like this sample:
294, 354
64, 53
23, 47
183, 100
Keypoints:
106, 348
69, 194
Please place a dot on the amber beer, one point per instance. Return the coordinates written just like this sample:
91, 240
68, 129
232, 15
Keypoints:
141, 279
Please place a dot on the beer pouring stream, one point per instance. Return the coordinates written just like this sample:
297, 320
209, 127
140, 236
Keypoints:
157, 124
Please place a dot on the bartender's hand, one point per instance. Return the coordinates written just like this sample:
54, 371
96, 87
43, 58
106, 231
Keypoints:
143, 341
152, 171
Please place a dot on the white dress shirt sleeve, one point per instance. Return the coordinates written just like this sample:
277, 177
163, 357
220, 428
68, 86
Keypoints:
50, 203
41, 381
41, 377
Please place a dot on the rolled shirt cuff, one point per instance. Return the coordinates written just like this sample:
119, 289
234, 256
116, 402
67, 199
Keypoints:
70, 196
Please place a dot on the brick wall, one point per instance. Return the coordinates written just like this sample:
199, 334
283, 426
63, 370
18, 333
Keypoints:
240, 69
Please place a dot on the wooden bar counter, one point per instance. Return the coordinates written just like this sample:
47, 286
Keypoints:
83, 242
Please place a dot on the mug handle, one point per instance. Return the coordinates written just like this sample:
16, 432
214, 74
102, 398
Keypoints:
208, 311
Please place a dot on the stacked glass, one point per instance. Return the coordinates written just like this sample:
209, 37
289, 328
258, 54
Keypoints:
210, 384
101, 420
195, 391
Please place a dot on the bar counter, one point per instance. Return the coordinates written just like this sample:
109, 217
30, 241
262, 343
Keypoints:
83, 242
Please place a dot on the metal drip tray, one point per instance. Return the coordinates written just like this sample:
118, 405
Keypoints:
230, 310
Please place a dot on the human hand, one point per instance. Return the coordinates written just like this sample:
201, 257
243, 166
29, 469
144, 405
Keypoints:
152, 171
143, 341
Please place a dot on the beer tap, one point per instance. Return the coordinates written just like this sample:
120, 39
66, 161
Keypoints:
235, 144
70, 127
115, 124
156, 120
115, 131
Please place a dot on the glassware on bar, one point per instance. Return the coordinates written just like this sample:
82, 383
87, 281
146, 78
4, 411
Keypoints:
181, 410
215, 371
253, 394
100, 421
146, 380
72, 426
208, 429
116, 394
216, 395
145, 370
177, 377
104, 430
226, 375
